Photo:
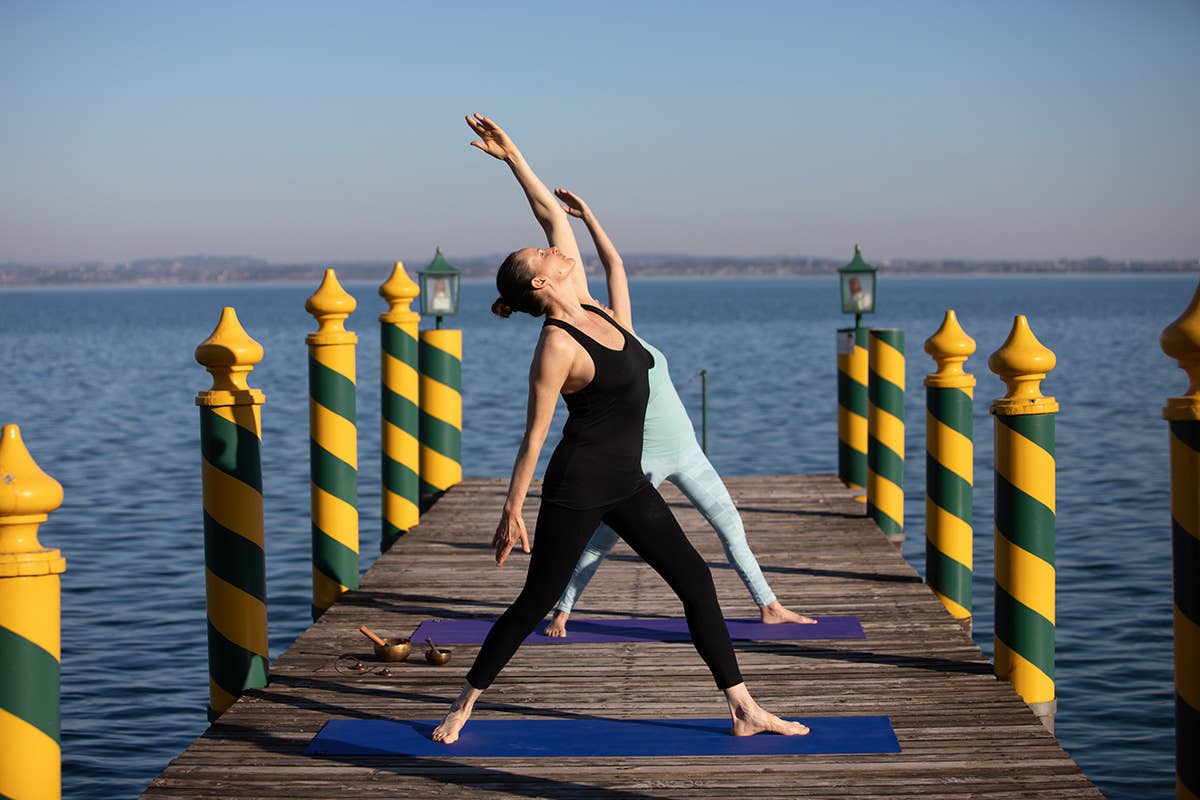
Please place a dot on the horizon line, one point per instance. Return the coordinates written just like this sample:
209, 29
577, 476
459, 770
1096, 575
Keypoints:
259, 261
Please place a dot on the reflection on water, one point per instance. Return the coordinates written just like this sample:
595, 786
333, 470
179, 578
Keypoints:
102, 383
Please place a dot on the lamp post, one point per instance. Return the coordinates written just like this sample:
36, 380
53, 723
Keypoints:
439, 289
858, 287
857, 281
440, 365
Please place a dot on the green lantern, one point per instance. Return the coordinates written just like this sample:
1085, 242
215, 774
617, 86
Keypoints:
439, 289
858, 287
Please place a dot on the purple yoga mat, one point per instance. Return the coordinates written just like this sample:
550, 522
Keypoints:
584, 631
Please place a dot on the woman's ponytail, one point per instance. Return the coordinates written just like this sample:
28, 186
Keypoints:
501, 308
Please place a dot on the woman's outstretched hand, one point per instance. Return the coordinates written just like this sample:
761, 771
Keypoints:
510, 530
572, 203
492, 138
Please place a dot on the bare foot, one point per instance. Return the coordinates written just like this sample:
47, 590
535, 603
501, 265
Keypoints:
457, 716
775, 613
447, 732
752, 719
557, 629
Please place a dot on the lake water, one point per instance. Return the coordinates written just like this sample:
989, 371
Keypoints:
102, 383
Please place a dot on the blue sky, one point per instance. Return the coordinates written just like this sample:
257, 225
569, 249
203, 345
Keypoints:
319, 132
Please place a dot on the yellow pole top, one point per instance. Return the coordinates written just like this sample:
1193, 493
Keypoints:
399, 291
950, 348
27, 496
1181, 341
330, 305
229, 354
1022, 362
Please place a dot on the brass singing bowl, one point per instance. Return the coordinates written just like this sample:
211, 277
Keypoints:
437, 656
393, 649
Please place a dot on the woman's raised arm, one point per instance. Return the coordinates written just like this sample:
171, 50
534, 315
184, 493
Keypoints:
547, 374
614, 267
549, 214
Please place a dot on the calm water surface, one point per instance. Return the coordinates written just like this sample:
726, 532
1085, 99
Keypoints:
102, 384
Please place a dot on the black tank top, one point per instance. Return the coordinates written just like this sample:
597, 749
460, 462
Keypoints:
599, 460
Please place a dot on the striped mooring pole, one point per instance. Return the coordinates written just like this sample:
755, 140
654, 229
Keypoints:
441, 410
949, 469
400, 407
852, 380
1181, 340
231, 468
30, 651
1024, 512
332, 444
885, 431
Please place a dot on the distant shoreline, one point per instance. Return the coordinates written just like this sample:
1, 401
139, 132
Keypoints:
635, 279
222, 270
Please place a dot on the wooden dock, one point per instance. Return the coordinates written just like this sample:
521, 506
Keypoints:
963, 733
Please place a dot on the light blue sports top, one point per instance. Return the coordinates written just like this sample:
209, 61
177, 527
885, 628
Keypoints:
668, 429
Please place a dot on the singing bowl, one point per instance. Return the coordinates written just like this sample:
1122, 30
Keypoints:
438, 657
393, 649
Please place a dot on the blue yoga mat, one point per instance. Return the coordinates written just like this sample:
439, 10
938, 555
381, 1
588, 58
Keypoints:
654, 629
597, 738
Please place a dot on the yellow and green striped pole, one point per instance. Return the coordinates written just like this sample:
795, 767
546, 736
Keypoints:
441, 410
400, 408
231, 468
1025, 508
852, 407
949, 469
332, 444
1181, 340
885, 431
30, 652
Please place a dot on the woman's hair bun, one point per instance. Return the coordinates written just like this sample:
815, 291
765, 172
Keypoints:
501, 308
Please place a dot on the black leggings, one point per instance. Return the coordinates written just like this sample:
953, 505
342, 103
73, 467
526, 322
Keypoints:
647, 524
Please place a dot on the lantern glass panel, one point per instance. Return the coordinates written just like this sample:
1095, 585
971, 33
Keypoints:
858, 292
439, 294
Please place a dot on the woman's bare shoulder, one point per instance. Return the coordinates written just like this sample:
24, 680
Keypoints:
555, 343
554, 356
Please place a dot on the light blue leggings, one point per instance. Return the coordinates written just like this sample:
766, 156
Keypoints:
691, 471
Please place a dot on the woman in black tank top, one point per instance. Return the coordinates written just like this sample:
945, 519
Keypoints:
595, 474
599, 459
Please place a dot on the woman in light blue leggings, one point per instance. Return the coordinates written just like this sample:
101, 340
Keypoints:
670, 452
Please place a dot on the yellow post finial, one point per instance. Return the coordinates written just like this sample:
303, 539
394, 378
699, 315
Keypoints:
399, 291
1022, 362
950, 347
1181, 341
330, 305
229, 354
27, 496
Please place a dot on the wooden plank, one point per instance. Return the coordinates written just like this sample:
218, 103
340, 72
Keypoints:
963, 733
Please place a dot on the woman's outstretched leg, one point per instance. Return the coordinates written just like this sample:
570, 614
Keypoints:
700, 484
647, 524
559, 538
